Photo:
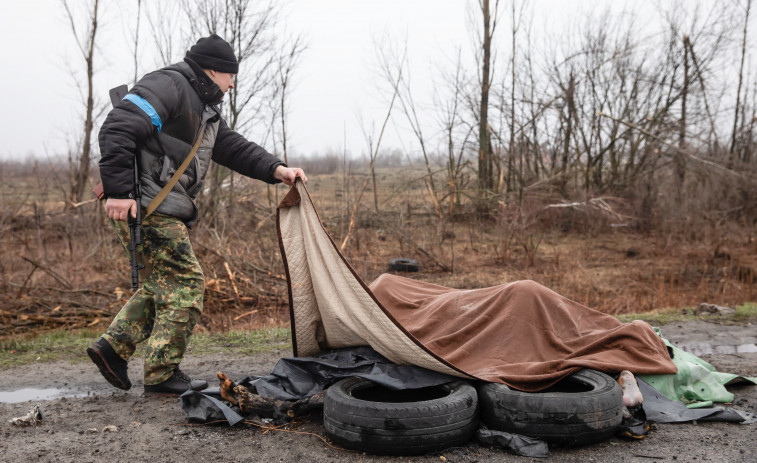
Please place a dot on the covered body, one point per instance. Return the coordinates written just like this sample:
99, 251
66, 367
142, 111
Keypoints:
521, 333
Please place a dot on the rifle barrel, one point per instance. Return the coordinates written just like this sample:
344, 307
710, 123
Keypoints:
135, 226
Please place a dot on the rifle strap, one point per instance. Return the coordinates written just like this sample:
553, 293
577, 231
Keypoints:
175, 177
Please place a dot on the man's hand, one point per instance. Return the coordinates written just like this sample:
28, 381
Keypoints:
289, 174
118, 209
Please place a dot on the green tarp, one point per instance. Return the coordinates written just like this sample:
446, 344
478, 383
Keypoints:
697, 383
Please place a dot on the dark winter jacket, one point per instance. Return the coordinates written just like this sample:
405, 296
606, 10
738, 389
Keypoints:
159, 121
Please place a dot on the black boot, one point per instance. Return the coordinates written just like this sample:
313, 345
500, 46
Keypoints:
111, 365
178, 383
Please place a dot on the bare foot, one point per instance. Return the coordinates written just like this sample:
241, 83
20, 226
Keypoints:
631, 393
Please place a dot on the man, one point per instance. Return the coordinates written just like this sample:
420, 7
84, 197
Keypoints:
158, 122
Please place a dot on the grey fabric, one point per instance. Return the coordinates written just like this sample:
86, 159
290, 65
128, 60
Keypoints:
205, 406
516, 443
660, 409
299, 378
157, 171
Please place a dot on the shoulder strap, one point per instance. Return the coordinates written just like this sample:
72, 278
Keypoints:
175, 177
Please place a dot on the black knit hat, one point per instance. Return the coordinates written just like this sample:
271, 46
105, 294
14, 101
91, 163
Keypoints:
214, 53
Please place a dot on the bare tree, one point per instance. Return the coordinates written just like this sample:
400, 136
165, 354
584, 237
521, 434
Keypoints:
511, 144
165, 20
485, 155
248, 28
86, 44
136, 41
712, 135
287, 59
741, 79
392, 65
373, 156
678, 158
451, 120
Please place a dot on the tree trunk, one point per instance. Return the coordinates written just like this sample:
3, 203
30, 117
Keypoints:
741, 79
511, 148
485, 178
571, 108
81, 170
680, 162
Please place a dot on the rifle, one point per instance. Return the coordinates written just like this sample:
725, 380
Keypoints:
135, 224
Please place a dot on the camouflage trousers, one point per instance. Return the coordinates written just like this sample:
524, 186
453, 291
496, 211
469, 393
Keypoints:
164, 310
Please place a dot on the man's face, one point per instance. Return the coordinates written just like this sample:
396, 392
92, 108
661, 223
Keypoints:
224, 80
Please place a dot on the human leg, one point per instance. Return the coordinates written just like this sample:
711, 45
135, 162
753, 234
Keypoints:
177, 286
132, 325
164, 310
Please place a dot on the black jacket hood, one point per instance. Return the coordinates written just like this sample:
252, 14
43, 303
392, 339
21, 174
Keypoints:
210, 93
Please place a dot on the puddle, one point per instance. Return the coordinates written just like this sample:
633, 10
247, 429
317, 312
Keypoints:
30, 393
704, 349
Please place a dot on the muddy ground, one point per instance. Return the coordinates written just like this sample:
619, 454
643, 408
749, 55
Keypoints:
74, 428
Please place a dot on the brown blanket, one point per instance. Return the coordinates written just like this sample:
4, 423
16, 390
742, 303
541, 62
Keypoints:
521, 334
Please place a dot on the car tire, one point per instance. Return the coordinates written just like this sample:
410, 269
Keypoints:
403, 265
361, 415
583, 408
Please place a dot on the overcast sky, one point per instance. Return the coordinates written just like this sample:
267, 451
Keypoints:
335, 84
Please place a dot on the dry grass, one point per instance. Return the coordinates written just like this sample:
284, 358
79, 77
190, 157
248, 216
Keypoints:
65, 268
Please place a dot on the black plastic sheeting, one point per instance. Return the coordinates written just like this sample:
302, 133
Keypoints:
299, 378
520, 445
296, 378
206, 406
660, 409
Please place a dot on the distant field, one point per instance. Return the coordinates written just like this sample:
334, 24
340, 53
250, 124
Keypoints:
64, 268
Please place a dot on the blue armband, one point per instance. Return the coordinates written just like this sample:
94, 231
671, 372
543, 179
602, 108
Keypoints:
147, 108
